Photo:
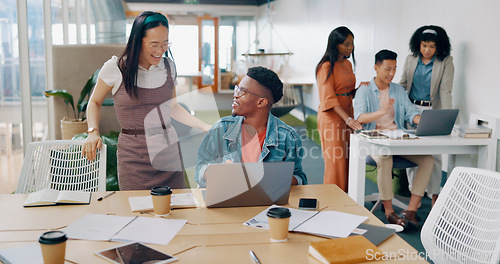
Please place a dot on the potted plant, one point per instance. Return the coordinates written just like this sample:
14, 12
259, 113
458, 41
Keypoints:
77, 124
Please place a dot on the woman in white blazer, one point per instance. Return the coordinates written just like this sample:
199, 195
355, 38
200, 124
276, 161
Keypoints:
428, 79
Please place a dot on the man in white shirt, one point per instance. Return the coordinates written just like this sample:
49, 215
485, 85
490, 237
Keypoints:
384, 105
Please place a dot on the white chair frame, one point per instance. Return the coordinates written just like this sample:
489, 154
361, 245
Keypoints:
464, 224
59, 165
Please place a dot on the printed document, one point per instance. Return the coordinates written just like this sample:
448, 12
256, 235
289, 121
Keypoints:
124, 228
324, 223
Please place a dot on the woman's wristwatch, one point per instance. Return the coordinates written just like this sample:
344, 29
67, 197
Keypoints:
347, 120
92, 129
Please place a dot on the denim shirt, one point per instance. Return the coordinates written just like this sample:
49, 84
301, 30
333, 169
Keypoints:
367, 101
421, 84
223, 142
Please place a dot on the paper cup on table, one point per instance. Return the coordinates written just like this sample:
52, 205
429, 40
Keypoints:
279, 219
161, 200
53, 245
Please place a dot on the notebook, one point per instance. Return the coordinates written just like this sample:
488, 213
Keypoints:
248, 184
353, 249
54, 197
375, 234
436, 122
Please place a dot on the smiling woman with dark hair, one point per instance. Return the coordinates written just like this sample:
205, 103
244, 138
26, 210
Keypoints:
428, 78
141, 81
336, 83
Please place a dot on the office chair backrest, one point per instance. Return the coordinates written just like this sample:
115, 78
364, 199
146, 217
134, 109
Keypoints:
59, 165
464, 224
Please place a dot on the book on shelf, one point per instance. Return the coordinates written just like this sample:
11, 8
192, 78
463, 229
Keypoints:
353, 249
47, 197
473, 131
328, 224
474, 135
470, 128
179, 200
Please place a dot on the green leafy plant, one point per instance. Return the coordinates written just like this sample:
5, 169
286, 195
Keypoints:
81, 106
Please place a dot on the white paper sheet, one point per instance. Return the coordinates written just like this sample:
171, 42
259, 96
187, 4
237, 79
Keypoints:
179, 200
298, 216
151, 230
331, 224
183, 200
123, 228
30, 253
398, 134
96, 226
141, 203
325, 223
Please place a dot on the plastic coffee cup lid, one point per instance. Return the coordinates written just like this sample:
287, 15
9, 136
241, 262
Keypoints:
52, 237
279, 212
161, 190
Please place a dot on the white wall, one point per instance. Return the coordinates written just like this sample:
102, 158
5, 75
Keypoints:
388, 24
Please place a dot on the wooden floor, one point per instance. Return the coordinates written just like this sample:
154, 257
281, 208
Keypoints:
10, 169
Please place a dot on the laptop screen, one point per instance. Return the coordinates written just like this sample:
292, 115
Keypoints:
248, 184
436, 122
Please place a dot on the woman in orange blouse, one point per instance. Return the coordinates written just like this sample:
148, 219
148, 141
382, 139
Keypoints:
336, 83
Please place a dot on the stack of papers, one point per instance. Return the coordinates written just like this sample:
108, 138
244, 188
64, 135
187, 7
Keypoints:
473, 131
145, 203
391, 134
399, 134
326, 224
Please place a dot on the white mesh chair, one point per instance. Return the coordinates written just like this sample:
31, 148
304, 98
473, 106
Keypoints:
464, 224
59, 165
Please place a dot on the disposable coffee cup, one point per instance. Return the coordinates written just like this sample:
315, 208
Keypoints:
278, 218
53, 245
161, 200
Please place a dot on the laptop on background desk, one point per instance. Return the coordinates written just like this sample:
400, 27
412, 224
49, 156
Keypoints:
436, 122
248, 184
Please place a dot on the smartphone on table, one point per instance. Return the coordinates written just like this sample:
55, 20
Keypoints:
308, 204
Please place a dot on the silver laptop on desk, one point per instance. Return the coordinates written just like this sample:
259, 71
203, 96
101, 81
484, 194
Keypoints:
248, 184
436, 122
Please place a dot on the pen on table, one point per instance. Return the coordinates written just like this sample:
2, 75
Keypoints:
254, 257
105, 196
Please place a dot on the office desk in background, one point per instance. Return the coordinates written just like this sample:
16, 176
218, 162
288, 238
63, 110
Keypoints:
360, 147
300, 83
214, 235
300, 86
190, 77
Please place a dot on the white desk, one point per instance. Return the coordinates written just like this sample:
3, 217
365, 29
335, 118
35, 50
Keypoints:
453, 145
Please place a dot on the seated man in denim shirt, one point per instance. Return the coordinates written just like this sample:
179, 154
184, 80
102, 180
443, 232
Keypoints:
252, 133
385, 105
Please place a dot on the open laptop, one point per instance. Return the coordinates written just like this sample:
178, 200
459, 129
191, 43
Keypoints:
248, 184
436, 122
